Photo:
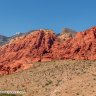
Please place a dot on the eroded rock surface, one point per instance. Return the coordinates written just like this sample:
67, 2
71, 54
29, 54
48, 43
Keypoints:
45, 45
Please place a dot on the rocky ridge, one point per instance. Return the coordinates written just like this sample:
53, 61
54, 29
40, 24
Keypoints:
44, 45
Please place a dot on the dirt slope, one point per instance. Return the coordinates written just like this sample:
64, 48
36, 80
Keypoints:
55, 78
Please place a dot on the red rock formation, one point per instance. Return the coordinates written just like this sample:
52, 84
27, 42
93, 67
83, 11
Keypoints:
21, 52
82, 46
44, 45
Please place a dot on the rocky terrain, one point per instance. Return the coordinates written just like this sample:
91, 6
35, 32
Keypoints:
66, 34
44, 45
55, 78
47, 64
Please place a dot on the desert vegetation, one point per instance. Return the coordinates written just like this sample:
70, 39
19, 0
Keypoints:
55, 78
9, 95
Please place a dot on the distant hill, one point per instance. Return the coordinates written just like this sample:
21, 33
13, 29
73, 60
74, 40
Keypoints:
68, 30
66, 34
3, 39
17, 35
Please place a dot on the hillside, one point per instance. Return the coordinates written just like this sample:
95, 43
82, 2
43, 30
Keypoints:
44, 45
55, 78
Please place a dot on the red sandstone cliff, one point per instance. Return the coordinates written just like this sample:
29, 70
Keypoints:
21, 52
44, 45
81, 47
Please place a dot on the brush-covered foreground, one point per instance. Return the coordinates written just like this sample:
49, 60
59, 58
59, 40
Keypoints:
9, 95
55, 78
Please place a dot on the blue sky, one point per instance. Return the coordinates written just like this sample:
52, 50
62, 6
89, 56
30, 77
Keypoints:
26, 15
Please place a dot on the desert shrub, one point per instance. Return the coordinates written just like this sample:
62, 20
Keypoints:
9, 95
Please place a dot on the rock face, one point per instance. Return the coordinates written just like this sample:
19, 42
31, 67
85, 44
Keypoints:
66, 34
84, 45
81, 47
22, 51
45, 45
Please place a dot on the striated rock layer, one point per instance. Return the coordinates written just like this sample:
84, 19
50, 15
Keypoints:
45, 45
